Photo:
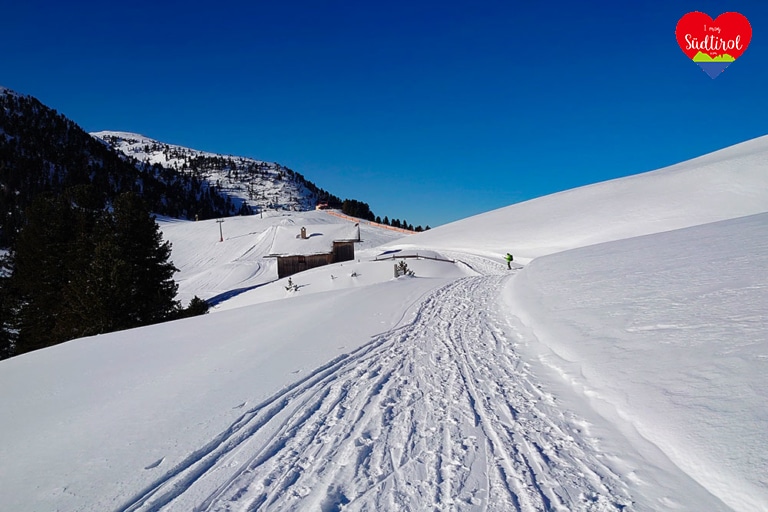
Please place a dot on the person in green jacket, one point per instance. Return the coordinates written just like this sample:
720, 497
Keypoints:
509, 259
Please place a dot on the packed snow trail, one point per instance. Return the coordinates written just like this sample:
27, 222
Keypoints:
439, 414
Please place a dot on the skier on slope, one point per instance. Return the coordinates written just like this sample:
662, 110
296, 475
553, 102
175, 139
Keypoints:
509, 259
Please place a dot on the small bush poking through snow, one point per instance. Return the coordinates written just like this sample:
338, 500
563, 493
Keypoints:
401, 269
291, 286
196, 307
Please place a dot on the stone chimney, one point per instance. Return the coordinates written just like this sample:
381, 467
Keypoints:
303, 233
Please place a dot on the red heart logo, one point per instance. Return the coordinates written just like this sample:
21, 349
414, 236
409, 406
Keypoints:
713, 44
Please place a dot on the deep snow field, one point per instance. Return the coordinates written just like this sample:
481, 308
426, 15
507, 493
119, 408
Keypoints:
623, 367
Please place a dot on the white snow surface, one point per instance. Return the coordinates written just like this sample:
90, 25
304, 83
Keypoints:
217, 271
618, 372
666, 335
288, 241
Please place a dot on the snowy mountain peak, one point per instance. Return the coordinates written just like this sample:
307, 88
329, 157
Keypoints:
253, 185
5, 90
129, 142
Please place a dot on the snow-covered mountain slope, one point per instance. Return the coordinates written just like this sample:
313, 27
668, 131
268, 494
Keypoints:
625, 376
726, 184
215, 270
42, 151
94, 422
262, 185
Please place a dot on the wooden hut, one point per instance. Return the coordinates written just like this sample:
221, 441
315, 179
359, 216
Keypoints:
299, 249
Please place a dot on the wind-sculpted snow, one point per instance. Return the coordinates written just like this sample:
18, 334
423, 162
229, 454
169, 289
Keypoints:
668, 333
440, 413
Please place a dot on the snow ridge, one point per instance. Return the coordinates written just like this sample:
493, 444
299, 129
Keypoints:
726, 184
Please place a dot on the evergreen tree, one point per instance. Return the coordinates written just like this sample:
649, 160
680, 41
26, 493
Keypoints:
7, 309
87, 212
81, 270
40, 262
244, 209
138, 241
92, 297
358, 209
197, 306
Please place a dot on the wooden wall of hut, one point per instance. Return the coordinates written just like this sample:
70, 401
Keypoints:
343, 251
289, 265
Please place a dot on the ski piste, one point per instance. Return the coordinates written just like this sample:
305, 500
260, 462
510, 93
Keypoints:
440, 413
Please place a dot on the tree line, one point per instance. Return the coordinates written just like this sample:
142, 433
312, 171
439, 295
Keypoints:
361, 210
82, 266
41, 151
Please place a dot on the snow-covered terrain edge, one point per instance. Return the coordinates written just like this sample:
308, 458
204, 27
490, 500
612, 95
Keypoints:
726, 184
665, 336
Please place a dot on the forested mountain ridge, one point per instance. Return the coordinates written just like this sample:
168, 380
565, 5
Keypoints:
43, 151
252, 185
85, 253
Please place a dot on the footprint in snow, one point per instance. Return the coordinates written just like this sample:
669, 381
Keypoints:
156, 463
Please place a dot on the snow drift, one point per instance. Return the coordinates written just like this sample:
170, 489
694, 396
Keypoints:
666, 335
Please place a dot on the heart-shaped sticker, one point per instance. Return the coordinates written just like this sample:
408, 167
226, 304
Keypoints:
713, 44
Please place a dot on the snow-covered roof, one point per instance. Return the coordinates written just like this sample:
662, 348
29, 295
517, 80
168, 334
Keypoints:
320, 238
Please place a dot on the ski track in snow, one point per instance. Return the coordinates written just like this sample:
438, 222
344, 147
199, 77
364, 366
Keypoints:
438, 414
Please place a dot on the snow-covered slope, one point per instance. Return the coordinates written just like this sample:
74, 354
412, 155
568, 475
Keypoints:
626, 376
726, 184
214, 270
667, 336
263, 185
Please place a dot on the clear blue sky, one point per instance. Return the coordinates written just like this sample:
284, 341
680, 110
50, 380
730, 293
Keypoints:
428, 111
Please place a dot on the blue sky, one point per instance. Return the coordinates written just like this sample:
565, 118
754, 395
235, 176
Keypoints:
428, 111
